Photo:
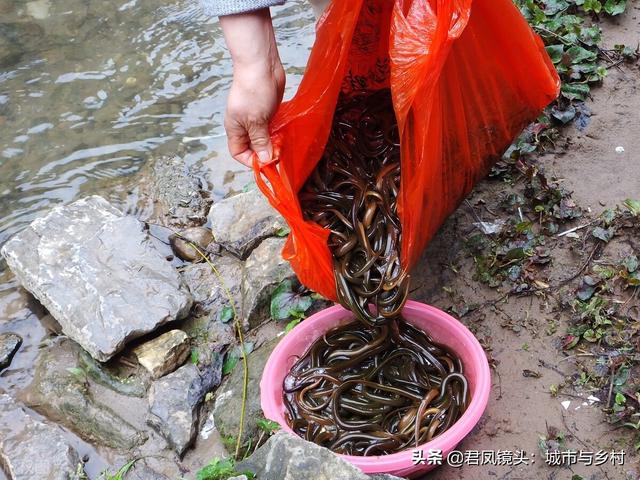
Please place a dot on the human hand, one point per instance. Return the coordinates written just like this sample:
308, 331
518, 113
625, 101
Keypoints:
256, 93
257, 88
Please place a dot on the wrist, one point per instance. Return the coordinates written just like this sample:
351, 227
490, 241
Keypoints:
251, 42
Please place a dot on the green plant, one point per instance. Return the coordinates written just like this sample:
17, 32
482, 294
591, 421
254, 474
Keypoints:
267, 426
290, 300
195, 356
572, 40
121, 473
234, 355
219, 469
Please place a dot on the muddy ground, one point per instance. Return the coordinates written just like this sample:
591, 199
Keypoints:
524, 333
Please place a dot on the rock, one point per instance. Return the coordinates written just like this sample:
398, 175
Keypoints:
131, 386
264, 270
163, 354
142, 472
174, 400
31, 449
62, 392
18, 39
226, 409
209, 329
212, 322
239, 223
287, 456
199, 236
9, 345
98, 274
207, 289
170, 194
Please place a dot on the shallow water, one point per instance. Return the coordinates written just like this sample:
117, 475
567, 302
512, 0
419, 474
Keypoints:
89, 90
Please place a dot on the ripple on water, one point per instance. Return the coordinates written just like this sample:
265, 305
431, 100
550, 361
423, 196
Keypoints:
100, 86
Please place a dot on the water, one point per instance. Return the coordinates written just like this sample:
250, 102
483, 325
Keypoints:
89, 90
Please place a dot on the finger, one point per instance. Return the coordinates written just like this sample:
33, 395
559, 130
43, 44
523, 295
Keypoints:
244, 157
260, 142
238, 141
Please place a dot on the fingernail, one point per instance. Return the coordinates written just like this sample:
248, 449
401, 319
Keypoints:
263, 156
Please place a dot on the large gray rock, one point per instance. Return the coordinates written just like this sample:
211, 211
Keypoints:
174, 400
163, 354
170, 194
264, 270
206, 287
288, 457
226, 409
211, 300
242, 221
61, 390
31, 449
98, 274
9, 345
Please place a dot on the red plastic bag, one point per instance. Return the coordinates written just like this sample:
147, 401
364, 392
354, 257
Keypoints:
465, 76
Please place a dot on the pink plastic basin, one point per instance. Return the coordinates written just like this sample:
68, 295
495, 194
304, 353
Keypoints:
442, 327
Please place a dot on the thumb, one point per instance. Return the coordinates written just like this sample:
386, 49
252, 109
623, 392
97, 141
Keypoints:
260, 142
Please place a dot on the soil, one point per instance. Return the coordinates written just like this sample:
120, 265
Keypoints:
522, 408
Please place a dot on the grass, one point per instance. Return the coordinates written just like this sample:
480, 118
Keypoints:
121, 473
221, 470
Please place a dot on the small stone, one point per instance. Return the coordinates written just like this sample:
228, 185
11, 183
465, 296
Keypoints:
9, 345
288, 456
181, 245
131, 81
239, 223
98, 274
32, 449
163, 354
264, 270
226, 410
174, 401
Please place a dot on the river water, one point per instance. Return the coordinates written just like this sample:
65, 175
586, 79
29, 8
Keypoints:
91, 89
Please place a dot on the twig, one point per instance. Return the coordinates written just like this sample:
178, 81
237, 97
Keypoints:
578, 355
585, 265
613, 374
544, 364
575, 229
564, 422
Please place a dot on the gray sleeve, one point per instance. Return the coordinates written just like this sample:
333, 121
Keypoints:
229, 7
